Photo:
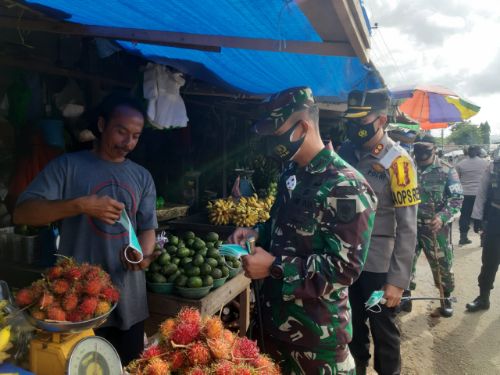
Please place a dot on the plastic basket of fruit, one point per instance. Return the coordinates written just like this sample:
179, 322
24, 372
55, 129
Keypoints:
193, 293
219, 282
233, 265
67, 327
161, 288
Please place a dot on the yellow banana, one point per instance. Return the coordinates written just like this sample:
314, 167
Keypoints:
4, 338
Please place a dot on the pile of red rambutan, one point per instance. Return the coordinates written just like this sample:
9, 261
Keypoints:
193, 345
69, 292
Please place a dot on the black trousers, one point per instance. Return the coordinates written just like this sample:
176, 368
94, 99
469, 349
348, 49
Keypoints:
466, 212
490, 260
129, 344
385, 333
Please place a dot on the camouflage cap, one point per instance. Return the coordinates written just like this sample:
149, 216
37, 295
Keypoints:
361, 103
279, 107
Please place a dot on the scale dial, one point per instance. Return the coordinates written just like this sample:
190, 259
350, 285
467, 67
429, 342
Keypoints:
94, 356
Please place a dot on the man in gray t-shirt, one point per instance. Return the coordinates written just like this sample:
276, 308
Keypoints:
86, 192
470, 171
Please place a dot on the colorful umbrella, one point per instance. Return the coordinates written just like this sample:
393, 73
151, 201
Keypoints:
434, 107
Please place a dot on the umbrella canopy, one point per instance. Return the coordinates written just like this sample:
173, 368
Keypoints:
434, 107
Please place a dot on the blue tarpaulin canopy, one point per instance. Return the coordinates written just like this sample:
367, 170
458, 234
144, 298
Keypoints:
246, 70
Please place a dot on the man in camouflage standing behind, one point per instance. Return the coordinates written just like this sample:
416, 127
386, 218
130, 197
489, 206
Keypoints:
316, 243
441, 199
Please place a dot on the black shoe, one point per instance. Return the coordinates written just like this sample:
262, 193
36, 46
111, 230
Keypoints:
360, 368
406, 304
446, 309
480, 303
463, 239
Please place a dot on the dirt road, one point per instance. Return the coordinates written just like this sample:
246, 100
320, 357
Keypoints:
467, 344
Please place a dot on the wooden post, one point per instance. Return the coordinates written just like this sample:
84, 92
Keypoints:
244, 320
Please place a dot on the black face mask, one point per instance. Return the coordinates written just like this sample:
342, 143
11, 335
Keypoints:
282, 146
422, 152
358, 133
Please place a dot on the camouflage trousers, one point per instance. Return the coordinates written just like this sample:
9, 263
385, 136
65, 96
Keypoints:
295, 361
443, 261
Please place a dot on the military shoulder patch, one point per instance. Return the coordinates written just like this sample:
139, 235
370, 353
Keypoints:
404, 185
346, 210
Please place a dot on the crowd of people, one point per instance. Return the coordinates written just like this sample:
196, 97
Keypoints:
338, 255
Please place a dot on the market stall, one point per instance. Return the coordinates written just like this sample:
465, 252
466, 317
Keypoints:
211, 175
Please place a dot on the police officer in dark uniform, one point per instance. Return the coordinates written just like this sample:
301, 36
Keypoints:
486, 215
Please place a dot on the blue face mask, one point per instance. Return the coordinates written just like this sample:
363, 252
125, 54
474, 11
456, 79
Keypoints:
375, 300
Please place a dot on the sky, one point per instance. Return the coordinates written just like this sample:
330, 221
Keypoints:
452, 43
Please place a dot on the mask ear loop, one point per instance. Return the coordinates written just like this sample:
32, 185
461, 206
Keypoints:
372, 310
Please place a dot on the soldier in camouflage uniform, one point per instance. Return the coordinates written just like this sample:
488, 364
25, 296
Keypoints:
441, 199
316, 240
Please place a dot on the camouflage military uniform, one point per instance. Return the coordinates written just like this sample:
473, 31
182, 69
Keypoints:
320, 229
441, 194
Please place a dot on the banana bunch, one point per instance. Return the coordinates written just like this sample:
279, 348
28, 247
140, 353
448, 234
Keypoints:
4, 343
220, 211
272, 189
247, 212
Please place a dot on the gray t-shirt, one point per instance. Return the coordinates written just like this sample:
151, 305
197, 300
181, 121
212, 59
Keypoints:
91, 240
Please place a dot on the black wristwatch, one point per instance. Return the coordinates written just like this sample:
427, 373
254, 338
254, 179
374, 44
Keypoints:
277, 269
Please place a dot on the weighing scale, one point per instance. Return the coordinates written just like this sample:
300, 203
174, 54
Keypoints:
72, 348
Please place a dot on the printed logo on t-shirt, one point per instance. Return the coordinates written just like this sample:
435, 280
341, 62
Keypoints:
121, 193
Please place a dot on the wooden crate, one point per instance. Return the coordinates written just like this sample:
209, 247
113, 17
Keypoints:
163, 306
171, 211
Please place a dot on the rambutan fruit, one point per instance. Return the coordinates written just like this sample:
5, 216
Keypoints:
185, 333
223, 368
74, 316
157, 366
65, 262
60, 286
38, 314
219, 348
213, 328
92, 287
73, 273
177, 360
88, 306
198, 354
245, 349
38, 288
54, 272
102, 308
264, 365
24, 297
198, 371
45, 300
189, 315
166, 328
56, 313
244, 370
69, 302
229, 336
151, 352
110, 294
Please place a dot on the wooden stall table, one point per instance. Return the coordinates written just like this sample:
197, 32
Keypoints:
163, 306
171, 211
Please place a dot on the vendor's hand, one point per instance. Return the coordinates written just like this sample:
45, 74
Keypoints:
134, 255
436, 224
258, 264
103, 208
478, 226
393, 295
240, 236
